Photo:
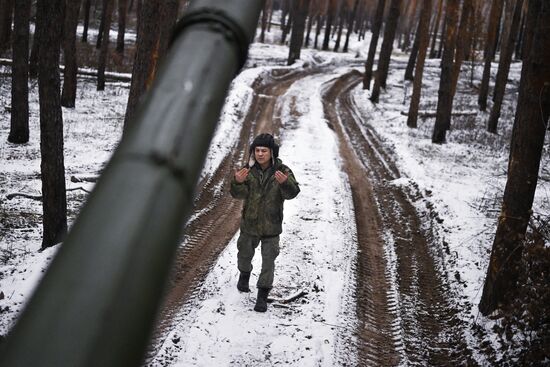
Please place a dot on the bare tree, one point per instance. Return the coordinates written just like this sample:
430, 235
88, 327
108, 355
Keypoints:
494, 18
19, 124
122, 12
386, 50
102, 63
298, 27
68, 96
504, 68
423, 37
267, 6
530, 125
351, 21
414, 53
87, 5
52, 166
331, 9
436, 29
377, 25
445, 93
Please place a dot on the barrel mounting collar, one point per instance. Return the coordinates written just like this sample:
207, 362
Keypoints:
218, 21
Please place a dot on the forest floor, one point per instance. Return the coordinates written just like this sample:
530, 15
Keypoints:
383, 253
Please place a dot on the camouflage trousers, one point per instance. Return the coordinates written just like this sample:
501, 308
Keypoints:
246, 244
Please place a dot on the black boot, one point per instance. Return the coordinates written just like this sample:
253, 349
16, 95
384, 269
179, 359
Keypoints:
242, 284
261, 300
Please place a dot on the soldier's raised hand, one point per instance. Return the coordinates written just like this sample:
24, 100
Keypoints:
240, 175
281, 177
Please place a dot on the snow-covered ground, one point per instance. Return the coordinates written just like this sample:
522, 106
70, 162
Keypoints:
463, 179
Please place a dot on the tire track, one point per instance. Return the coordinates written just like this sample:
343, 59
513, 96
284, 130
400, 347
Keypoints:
216, 216
414, 323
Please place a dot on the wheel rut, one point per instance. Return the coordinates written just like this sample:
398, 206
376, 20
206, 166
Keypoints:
215, 217
404, 313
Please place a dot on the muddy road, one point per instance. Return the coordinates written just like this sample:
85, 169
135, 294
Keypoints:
402, 299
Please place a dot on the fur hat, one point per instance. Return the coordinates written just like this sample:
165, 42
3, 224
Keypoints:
263, 140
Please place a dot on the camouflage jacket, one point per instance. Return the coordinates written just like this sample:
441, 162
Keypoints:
263, 199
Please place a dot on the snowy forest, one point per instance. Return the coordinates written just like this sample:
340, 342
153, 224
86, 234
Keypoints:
415, 131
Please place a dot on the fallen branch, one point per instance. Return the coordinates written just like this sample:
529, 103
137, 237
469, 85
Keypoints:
39, 197
84, 72
84, 179
434, 113
289, 299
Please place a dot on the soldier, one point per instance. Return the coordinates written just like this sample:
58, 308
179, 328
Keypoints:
264, 184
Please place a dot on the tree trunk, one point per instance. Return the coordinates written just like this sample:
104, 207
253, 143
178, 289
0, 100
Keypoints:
87, 5
377, 25
299, 10
147, 43
102, 63
351, 22
104, 7
441, 45
267, 6
343, 13
504, 68
122, 12
33, 59
68, 97
6, 13
519, 43
52, 165
320, 21
494, 17
328, 26
437, 25
414, 53
408, 24
288, 25
19, 124
445, 94
386, 50
309, 25
461, 43
423, 37
525, 153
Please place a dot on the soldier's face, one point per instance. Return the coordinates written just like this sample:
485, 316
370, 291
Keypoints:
263, 155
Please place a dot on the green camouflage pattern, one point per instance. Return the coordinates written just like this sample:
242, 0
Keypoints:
263, 199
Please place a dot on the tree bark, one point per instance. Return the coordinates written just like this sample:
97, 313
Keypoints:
414, 53
6, 13
386, 50
87, 5
68, 96
102, 63
298, 28
423, 36
504, 68
19, 123
377, 25
437, 25
147, 42
122, 12
51, 124
445, 94
525, 152
494, 17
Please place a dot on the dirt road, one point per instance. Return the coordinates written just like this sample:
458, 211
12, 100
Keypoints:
401, 297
